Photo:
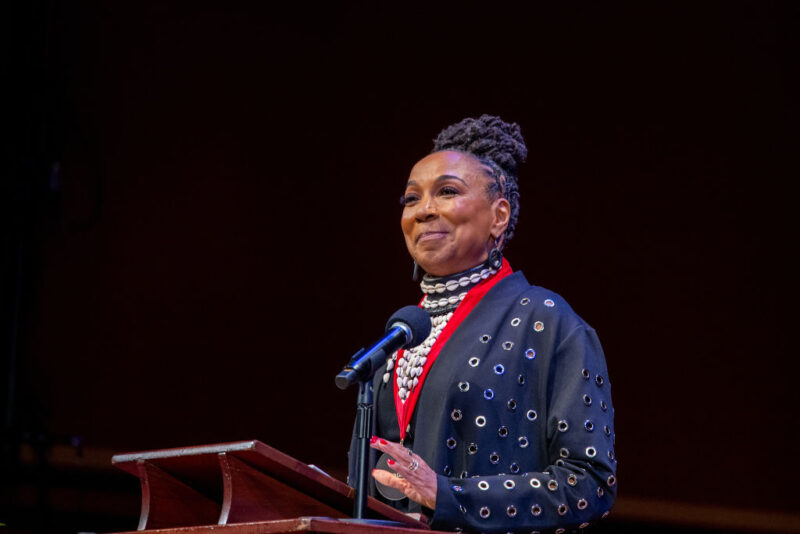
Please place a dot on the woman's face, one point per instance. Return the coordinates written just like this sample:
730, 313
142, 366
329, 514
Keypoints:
449, 222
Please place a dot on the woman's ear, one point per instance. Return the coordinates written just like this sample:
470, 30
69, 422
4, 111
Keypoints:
501, 210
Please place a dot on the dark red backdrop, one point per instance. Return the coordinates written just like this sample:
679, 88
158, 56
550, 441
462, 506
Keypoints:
228, 232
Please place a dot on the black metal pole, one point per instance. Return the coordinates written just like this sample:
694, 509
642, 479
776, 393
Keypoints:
364, 432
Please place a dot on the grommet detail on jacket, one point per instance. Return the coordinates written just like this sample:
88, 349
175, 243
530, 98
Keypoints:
447, 471
530, 354
464, 474
523, 441
509, 484
474, 361
511, 511
586, 374
456, 488
499, 369
515, 321
531, 415
607, 430
512, 404
605, 514
600, 491
480, 421
485, 338
603, 406
538, 326
494, 458
488, 394
583, 525
560, 462
563, 425
552, 485
588, 425
525, 301
463, 386
508, 345
535, 484
485, 512
549, 303
598, 380
611, 480
463, 511
514, 467
611, 456
483, 485
562, 509
472, 448
456, 415
521, 380
572, 480
591, 452
451, 443
564, 452
587, 400
502, 431
560, 530
582, 504
536, 510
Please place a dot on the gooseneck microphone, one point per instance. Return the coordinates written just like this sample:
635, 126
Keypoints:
407, 328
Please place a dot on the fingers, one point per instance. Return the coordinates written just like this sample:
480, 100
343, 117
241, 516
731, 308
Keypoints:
388, 479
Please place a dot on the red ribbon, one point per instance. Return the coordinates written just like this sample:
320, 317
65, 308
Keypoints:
473, 297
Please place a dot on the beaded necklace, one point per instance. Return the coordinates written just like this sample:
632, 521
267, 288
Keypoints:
444, 295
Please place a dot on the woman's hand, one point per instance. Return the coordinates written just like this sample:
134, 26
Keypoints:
419, 480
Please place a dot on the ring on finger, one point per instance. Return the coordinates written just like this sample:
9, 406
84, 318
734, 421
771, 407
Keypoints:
413, 466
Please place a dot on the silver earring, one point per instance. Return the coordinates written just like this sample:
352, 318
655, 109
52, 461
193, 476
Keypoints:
495, 256
415, 274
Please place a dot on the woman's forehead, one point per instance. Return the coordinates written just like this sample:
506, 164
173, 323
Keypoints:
447, 162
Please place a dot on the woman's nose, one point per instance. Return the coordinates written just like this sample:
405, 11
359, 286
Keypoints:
427, 209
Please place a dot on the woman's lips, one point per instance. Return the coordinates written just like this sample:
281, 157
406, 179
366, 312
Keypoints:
428, 236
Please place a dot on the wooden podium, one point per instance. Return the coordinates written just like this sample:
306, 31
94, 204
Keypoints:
247, 487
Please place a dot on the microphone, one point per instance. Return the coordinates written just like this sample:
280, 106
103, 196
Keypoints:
407, 328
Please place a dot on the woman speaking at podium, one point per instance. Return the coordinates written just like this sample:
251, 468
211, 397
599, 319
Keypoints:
501, 420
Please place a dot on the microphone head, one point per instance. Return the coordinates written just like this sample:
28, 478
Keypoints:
416, 319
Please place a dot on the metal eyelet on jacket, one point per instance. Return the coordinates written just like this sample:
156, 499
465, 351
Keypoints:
523, 441
531, 415
536, 510
474, 361
456, 415
488, 394
530, 354
483, 485
485, 512
563, 426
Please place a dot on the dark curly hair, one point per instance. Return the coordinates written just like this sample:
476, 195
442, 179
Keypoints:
498, 145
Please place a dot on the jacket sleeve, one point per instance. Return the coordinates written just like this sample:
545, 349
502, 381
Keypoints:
579, 485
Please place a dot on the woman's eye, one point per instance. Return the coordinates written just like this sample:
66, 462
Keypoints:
408, 199
448, 190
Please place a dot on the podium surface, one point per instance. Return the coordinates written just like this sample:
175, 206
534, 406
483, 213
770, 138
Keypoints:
247, 487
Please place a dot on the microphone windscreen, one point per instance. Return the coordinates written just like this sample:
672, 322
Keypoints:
417, 320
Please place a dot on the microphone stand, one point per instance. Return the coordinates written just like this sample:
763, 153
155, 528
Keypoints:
363, 433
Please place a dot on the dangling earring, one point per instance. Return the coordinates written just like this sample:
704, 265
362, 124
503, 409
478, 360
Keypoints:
495, 256
415, 275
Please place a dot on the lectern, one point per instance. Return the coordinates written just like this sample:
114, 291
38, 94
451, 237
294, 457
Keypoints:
248, 487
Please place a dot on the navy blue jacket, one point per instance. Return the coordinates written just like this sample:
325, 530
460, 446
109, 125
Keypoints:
514, 416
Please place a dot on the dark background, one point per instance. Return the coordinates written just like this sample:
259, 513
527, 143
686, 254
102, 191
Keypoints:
201, 226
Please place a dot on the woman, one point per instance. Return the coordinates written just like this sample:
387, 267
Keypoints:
501, 421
